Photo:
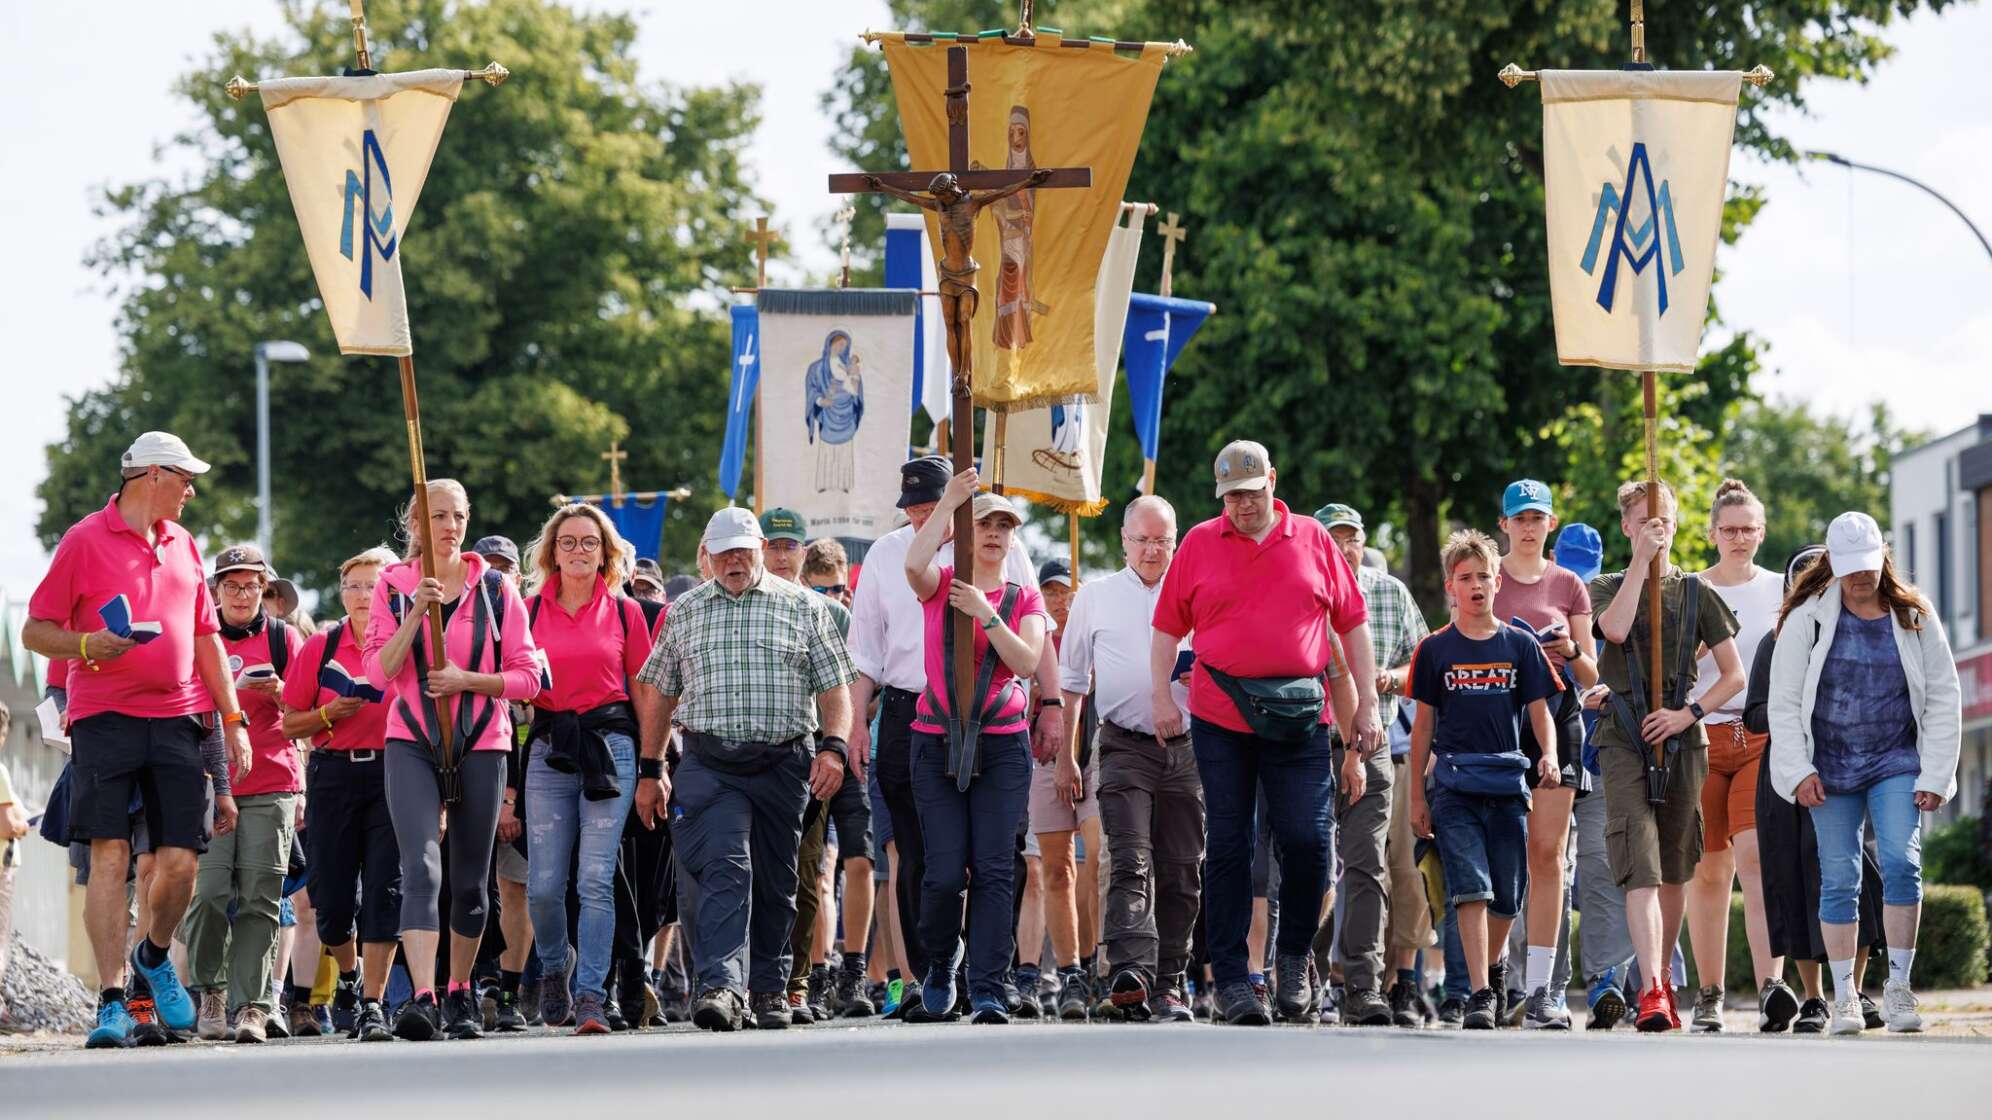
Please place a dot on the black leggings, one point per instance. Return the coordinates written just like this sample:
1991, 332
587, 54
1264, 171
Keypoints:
414, 801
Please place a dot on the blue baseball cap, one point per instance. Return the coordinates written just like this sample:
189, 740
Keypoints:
1526, 494
1580, 549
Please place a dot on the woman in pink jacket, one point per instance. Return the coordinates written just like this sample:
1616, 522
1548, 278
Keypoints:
488, 659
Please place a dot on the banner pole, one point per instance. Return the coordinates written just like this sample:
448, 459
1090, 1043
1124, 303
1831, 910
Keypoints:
1072, 534
1147, 475
412, 410
1649, 389
1001, 421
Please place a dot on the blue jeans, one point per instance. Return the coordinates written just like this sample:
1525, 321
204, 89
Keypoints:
1840, 825
971, 843
563, 829
1484, 844
1298, 780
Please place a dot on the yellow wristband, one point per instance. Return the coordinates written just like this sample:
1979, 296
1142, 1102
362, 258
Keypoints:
83, 648
324, 715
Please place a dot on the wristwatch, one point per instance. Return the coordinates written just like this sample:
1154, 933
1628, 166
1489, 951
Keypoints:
234, 717
1695, 710
1052, 702
992, 622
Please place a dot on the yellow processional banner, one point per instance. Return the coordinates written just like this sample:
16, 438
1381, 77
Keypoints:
1048, 105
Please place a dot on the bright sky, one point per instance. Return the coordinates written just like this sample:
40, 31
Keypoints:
1863, 286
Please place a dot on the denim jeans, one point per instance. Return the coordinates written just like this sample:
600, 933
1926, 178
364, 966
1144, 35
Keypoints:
564, 829
1298, 780
971, 845
1898, 843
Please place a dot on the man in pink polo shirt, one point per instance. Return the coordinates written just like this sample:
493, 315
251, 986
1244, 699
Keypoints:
135, 705
1263, 595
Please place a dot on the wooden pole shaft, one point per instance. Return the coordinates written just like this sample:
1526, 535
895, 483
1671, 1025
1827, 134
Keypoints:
411, 408
1650, 391
1072, 534
1148, 476
1000, 423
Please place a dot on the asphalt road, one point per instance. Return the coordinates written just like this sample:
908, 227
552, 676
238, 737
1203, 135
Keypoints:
1053, 1071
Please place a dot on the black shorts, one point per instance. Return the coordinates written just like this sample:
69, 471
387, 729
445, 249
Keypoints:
1567, 714
117, 756
850, 810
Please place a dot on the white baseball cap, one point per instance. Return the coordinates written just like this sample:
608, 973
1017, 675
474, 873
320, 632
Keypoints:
1854, 544
162, 449
731, 528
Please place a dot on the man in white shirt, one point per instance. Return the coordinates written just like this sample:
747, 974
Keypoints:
1151, 799
888, 644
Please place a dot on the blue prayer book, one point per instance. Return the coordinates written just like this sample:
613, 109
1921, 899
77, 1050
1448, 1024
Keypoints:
117, 619
335, 677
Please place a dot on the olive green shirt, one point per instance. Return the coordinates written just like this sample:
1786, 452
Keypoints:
1715, 623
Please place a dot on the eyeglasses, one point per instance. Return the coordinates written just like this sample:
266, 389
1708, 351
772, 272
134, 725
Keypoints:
356, 589
240, 590
1151, 542
1740, 532
578, 544
830, 589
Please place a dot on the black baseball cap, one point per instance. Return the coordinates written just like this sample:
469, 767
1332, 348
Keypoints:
495, 545
1055, 571
648, 571
923, 480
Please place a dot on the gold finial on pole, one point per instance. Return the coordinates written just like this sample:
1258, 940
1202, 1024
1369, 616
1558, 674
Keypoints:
1172, 231
360, 50
1639, 32
1025, 28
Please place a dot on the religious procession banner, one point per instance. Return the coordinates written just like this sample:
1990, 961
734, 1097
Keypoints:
1048, 105
1054, 455
641, 523
909, 263
355, 153
1158, 327
837, 379
746, 376
1636, 164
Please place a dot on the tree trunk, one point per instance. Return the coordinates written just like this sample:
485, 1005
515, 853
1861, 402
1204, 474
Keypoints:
1421, 528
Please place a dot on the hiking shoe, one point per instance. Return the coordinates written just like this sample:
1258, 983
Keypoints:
1166, 1003
251, 1024
114, 1027
1296, 987
1482, 1010
1847, 1017
1029, 983
1452, 1013
589, 1016
1870, 1014
822, 993
1654, 1013
1365, 1007
213, 1018
988, 1011
146, 1029
346, 1006
304, 1021
895, 999
461, 1017
1508, 1003
419, 1019
509, 1020
612, 1011
1238, 1004
852, 997
557, 997
718, 1009
169, 997
1813, 1015
1776, 1005
1607, 1003
1900, 1003
370, 1023
1404, 1011
772, 1010
799, 1011
1128, 995
1707, 1018
321, 1013
487, 1005
1540, 1012
1075, 995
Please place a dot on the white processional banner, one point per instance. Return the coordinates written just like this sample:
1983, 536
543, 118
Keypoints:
355, 153
1054, 455
1636, 164
836, 382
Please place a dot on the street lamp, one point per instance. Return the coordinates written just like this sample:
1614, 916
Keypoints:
267, 352
1843, 161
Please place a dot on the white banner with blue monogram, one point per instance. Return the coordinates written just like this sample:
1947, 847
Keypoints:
1635, 166
836, 393
355, 153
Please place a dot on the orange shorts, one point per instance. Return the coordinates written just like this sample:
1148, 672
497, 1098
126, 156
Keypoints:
1729, 796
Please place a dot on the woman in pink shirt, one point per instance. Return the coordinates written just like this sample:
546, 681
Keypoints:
969, 821
488, 659
581, 767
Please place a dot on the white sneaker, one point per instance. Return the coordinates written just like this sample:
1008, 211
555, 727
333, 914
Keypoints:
1847, 1017
1898, 1004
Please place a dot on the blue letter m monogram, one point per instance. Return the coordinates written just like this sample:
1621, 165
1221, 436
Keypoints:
376, 230
1639, 244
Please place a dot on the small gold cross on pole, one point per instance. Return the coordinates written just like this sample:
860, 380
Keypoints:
615, 455
1172, 231
762, 237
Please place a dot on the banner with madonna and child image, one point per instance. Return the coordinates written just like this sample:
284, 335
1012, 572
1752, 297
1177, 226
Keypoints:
836, 380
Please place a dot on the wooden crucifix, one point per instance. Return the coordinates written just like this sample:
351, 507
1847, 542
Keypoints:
1172, 232
958, 195
615, 456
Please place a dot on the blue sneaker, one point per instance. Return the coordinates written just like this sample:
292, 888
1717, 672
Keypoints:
176, 1007
1607, 1002
989, 1011
113, 1027
937, 997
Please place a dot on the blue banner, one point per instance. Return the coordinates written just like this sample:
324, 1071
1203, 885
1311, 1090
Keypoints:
740, 396
1157, 330
641, 523
903, 252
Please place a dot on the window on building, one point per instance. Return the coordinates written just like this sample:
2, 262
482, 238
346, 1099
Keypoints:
1943, 564
1909, 554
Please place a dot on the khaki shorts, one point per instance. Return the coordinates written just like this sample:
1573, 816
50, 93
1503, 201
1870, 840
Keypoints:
1652, 844
1049, 812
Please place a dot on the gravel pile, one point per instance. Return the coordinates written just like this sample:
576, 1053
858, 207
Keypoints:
38, 996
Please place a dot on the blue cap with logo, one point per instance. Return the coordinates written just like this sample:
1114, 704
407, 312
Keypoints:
1524, 495
1580, 549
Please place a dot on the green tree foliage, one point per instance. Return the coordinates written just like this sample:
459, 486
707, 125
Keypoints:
554, 268
1811, 468
1364, 202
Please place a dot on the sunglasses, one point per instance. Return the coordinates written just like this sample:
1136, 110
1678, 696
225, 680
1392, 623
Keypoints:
831, 589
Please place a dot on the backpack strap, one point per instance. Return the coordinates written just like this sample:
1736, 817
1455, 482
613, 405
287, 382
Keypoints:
278, 633
1684, 666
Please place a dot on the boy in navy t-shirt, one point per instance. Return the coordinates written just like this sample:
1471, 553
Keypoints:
1472, 681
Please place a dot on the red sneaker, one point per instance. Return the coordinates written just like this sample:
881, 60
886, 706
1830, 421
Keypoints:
1656, 1012
1673, 1009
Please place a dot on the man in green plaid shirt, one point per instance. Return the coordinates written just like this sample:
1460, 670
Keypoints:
754, 671
1379, 882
